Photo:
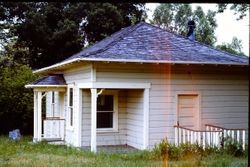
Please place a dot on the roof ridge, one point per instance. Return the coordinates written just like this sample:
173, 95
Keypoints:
181, 36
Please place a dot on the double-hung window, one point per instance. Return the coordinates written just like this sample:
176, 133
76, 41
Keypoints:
107, 111
53, 104
70, 107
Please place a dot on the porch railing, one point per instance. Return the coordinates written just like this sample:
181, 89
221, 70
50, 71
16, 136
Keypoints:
212, 136
201, 137
54, 128
238, 135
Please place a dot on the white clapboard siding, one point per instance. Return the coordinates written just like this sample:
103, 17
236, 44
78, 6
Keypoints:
74, 75
79, 74
218, 86
104, 138
135, 118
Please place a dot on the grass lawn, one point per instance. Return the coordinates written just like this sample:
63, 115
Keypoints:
25, 153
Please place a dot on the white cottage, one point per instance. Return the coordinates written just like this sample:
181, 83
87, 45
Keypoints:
140, 85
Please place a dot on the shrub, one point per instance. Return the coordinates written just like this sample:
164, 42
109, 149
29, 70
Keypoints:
233, 147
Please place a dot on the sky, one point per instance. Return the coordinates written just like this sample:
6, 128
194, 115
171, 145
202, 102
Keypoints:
227, 28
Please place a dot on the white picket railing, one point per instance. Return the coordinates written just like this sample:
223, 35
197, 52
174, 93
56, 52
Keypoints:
202, 137
212, 136
238, 135
54, 128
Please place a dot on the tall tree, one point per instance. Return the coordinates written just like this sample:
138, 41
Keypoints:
235, 47
239, 9
53, 31
16, 109
174, 17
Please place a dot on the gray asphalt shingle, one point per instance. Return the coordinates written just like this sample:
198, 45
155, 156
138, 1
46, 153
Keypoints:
52, 79
144, 41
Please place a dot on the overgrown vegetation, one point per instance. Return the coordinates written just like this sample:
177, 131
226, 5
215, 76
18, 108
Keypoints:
16, 102
26, 153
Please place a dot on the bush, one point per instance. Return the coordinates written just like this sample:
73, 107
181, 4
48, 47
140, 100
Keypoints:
184, 151
233, 147
187, 151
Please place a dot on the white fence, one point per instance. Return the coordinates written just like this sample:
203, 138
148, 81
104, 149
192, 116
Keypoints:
54, 128
238, 135
212, 136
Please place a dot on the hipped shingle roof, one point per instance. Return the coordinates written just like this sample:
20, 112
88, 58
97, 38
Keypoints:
144, 42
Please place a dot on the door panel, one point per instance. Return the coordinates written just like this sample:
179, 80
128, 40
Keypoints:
188, 111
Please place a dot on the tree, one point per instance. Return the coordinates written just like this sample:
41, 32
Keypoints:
234, 47
53, 31
174, 17
16, 109
239, 9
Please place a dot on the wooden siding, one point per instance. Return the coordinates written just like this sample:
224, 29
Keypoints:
79, 74
135, 118
75, 75
104, 138
219, 87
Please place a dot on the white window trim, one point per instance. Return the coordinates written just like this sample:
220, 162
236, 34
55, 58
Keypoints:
68, 126
52, 109
115, 112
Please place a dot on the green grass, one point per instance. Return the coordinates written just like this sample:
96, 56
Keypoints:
24, 153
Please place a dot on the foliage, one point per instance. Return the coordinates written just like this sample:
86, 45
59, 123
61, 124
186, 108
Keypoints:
174, 17
53, 31
234, 47
239, 9
233, 147
15, 100
187, 151
25, 153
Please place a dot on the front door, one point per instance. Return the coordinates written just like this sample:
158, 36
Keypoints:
188, 111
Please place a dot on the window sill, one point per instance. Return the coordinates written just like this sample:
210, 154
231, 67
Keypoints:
107, 130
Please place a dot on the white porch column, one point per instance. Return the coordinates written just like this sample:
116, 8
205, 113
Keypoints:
93, 119
78, 111
35, 117
145, 118
39, 116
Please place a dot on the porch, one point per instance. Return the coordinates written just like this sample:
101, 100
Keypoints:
68, 117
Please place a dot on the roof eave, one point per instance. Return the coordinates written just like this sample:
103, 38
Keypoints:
45, 86
56, 65
132, 61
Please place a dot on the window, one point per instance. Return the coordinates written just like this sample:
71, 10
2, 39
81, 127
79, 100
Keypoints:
107, 111
70, 107
53, 104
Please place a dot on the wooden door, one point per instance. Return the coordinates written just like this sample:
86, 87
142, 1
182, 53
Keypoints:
188, 111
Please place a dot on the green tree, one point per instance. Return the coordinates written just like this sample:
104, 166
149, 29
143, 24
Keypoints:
174, 17
239, 9
53, 31
235, 47
16, 102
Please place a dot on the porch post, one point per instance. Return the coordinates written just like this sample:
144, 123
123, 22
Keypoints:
35, 117
39, 116
93, 119
145, 117
78, 111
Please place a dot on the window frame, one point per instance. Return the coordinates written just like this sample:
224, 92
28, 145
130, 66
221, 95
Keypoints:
52, 104
114, 93
70, 108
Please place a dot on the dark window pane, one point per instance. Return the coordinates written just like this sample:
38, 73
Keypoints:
53, 97
105, 103
104, 119
70, 96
